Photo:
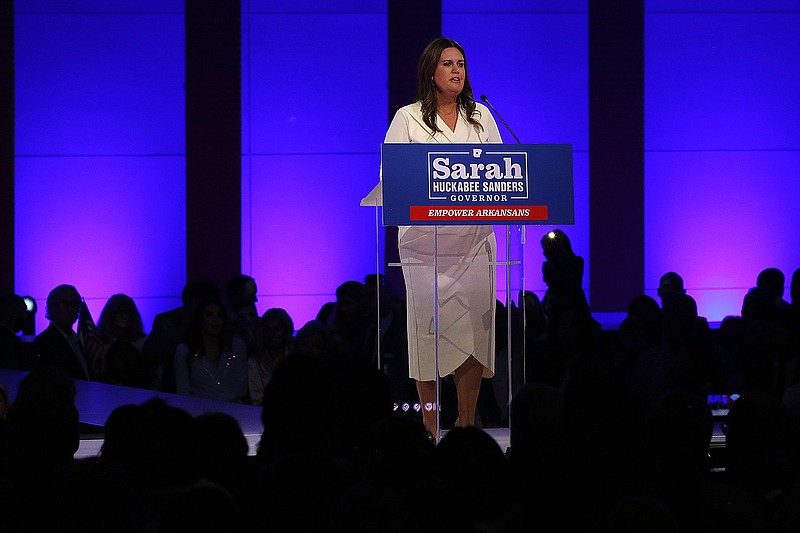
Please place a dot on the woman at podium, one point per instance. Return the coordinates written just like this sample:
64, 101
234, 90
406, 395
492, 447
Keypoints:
446, 112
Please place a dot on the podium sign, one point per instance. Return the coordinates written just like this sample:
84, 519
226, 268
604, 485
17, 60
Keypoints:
483, 184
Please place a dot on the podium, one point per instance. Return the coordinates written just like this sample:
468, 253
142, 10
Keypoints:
493, 188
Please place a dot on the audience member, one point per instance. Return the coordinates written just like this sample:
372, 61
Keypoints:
220, 452
58, 345
651, 315
243, 319
562, 272
772, 350
399, 457
676, 469
210, 362
124, 365
772, 281
348, 320
241, 291
42, 436
574, 344
671, 283
538, 365
13, 313
122, 333
153, 442
89, 496
536, 455
758, 460
469, 460
640, 330
572, 332
300, 408
120, 320
168, 330
730, 342
364, 399
299, 492
537, 432
315, 339
488, 412
686, 359
388, 317
275, 333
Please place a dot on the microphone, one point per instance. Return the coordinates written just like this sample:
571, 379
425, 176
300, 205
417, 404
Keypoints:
486, 101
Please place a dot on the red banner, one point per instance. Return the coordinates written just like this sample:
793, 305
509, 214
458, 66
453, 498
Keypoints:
474, 213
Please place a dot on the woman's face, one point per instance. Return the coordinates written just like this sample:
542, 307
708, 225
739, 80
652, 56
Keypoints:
213, 319
450, 73
274, 334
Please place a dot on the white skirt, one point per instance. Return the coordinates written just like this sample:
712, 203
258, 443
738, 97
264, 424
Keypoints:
467, 301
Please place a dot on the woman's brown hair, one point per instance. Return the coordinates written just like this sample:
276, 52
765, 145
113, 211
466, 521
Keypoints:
426, 88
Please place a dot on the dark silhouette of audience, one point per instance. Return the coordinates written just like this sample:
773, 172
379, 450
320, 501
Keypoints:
571, 330
349, 320
642, 329
387, 332
562, 272
14, 354
273, 342
771, 337
240, 289
772, 281
677, 433
300, 407
121, 331
730, 338
759, 459
469, 460
168, 330
686, 359
125, 366
41, 435
210, 362
611, 431
59, 345
242, 296
316, 339
220, 452
670, 283
120, 320
538, 367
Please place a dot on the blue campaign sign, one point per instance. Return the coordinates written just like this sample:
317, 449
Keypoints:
451, 184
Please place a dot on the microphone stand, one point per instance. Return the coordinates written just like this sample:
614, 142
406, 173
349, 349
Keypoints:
486, 101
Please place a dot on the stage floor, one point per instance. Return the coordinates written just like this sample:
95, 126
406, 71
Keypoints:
95, 402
